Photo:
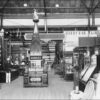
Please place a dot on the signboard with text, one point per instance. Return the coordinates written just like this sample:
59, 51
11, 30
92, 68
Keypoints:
50, 36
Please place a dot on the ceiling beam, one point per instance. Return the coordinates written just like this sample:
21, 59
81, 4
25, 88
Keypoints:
83, 2
96, 7
3, 8
92, 8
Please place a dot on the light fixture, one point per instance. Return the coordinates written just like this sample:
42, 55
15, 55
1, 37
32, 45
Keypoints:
56, 5
25, 5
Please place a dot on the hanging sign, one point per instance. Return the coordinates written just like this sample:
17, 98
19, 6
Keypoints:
50, 36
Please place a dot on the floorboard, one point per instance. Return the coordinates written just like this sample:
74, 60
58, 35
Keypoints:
58, 89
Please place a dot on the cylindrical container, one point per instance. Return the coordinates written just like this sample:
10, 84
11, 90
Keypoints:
74, 95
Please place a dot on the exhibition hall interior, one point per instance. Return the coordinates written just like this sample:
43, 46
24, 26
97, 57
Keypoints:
50, 49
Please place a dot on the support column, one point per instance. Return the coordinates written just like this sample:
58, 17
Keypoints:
45, 24
2, 46
89, 23
1, 21
93, 19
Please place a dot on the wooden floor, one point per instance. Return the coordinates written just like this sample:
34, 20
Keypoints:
58, 89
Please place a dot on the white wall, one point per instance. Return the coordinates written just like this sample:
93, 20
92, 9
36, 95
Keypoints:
29, 22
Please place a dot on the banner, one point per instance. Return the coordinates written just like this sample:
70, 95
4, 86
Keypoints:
71, 38
43, 36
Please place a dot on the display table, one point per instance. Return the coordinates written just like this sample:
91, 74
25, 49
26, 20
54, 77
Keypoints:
2, 76
8, 75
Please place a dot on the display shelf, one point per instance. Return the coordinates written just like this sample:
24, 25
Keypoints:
52, 51
45, 52
89, 72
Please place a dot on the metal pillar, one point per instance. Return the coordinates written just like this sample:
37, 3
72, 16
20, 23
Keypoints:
2, 45
45, 17
91, 13
93, 19
89, 23
1, 21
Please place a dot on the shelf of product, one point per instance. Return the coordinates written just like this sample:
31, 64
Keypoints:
88, 63
52, 50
